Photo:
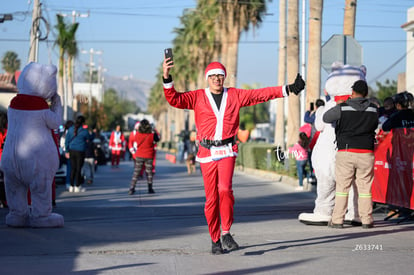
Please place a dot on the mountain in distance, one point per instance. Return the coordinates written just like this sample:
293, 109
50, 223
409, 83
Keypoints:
130, 88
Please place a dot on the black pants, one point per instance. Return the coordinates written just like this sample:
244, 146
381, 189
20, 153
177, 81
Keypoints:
77, 159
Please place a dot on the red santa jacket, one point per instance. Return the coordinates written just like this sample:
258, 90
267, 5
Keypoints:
222, 124
117, 141
145, 145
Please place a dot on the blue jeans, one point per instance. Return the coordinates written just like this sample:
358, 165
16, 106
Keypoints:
300, 166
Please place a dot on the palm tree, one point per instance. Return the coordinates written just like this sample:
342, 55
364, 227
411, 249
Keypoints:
292, 70
10, 62
234, 17
313, 81
211, 32
280, 112
67, 46
72, 52
61, 41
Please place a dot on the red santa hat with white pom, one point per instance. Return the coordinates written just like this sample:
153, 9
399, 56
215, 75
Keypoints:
215, 68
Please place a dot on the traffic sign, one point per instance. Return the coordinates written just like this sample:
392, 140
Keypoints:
341, 48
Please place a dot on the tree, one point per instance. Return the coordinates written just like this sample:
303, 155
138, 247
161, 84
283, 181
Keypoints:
251, 115
10, 62
67, 46
114, 108
234, 17
292, 70
313, 79
389, 88
280, 112
72, 52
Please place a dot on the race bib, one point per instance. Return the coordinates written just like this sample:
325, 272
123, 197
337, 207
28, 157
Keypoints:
220, 152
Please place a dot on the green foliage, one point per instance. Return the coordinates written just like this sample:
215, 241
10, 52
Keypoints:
10, 62
389, 88
262, 156
251, 115
110, 113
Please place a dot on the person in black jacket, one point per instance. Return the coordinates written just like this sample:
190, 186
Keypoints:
356, 121
404, 117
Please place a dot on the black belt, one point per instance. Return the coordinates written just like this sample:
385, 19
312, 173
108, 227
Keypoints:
209, 143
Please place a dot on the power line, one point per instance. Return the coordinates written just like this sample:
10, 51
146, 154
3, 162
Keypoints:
392, 65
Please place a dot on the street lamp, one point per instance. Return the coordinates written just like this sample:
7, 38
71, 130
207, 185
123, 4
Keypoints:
91, 52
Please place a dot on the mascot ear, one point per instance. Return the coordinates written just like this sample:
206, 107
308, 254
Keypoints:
363, 69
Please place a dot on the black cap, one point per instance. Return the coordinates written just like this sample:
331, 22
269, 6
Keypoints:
360, 87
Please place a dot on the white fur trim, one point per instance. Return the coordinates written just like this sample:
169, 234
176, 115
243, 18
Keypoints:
215, 71
168, 85
285, 91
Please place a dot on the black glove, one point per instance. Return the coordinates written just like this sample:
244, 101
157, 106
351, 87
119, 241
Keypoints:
298, 86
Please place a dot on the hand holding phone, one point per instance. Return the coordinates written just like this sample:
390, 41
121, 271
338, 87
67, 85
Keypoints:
169, 54
312, 106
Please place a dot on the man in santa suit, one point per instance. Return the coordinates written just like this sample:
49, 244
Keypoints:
117, 145
216, 111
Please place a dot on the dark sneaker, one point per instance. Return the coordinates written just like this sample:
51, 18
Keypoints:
229, 243
150, 190
216, 248
335, 225
353, 222
367, 226
131, 191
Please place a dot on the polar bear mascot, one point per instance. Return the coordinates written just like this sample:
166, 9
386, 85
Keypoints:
338, 86
30, 158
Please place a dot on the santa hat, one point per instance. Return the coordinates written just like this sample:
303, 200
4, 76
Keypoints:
215, 68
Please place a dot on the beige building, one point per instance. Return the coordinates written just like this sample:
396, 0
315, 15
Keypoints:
409, 71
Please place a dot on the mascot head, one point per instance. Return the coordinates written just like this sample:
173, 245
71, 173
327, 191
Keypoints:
38, 80
340, 80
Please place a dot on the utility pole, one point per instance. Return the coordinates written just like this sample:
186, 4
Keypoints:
349, 17
91, 52
34, 32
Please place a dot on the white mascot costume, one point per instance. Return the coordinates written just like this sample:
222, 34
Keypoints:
30, 158
338, 86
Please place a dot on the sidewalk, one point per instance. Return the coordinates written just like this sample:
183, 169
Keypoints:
109, 232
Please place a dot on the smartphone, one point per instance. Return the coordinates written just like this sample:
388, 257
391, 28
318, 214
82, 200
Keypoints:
312, 106
168, 54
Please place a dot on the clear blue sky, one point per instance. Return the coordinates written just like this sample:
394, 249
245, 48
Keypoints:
133, 33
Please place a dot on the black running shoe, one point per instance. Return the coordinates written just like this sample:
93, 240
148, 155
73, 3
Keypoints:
229, 243
216, 248
131, 191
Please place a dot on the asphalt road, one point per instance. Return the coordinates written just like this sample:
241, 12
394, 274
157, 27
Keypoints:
109, 232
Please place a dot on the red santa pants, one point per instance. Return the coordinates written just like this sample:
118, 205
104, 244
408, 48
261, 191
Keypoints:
218, 180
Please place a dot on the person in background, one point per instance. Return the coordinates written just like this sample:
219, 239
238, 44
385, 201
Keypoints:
404, 116
386, 110
145, 138
356, 121
314, 134
3, 133
132, 145
300, 152
90, 159
75, 147
243, 134
117, 145
68, 124
216, 111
